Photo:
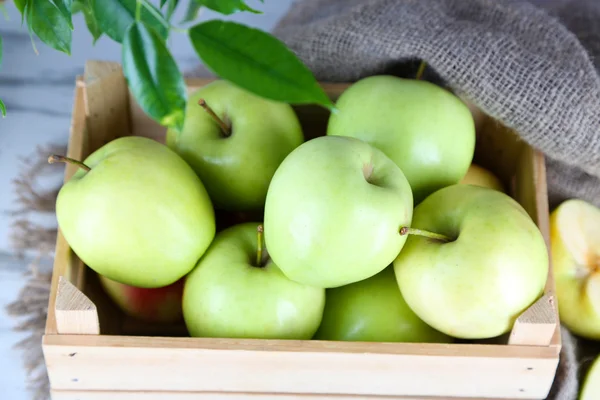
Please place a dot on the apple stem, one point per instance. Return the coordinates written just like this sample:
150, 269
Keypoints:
259, 249
224, 128
421, 70
56, 158
405, 230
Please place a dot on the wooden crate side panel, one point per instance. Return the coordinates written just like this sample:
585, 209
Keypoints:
522, 170
498, 149
537, 325
311, 346
100, 114
161, 395
97, 363
66, 264
107, 102
530, 190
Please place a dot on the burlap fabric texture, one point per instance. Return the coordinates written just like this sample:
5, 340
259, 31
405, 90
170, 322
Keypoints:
528, 64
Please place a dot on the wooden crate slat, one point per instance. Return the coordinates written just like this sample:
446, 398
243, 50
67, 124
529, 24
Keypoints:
75, 313
537, 325
106, 102
139, 363
162, 395
66, 264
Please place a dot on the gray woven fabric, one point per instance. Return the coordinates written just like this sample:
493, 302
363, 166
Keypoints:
567, 381
528, 64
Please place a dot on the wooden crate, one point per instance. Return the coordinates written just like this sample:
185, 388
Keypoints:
94, 352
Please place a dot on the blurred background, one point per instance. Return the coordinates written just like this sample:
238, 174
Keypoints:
38, 93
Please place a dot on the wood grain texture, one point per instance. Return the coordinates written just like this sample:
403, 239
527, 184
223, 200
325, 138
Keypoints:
537, 325
66, 264
106, 102
312, 367
161, 395
75, 313
531, 191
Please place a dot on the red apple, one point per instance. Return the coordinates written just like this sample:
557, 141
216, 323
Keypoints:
157, 305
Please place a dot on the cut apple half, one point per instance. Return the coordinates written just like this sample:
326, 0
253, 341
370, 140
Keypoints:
575, 245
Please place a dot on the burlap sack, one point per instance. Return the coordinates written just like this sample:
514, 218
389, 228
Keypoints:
529, 65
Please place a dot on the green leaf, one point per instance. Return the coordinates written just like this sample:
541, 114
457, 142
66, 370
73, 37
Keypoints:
162, 3
65, 8
27, 13
49, 24
153, 76
90, 20
114, 17
257, 61
191, 13
85, 7
227, 7
21, 5
156, 13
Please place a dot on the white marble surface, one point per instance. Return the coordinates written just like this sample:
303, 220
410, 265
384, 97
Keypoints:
38, 91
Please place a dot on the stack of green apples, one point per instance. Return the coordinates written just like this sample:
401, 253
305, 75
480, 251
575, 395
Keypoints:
383, 229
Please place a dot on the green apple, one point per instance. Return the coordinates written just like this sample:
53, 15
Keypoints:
575, 244
136, 213
425, 129
590, 387
474, 262
477, 175
334, 210
157, 305
235, 141
237, 291
373, 310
